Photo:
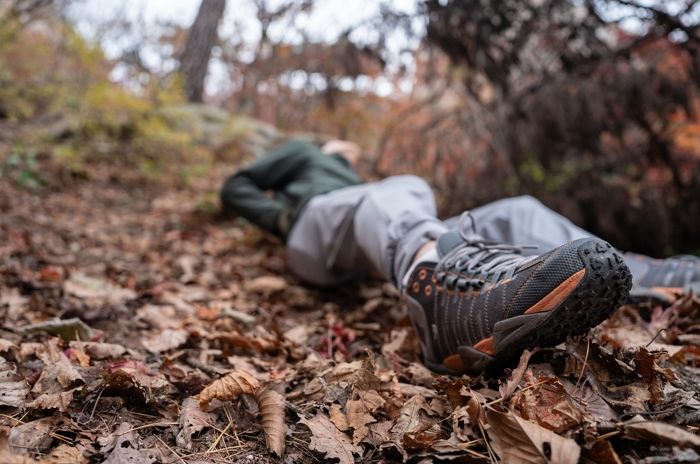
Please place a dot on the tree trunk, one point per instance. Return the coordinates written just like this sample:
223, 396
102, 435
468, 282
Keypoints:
200, 40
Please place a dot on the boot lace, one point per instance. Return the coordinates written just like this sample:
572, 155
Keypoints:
477, 261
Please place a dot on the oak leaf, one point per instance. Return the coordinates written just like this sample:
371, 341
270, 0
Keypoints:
519, 441
327, 439
229, 387
192, 420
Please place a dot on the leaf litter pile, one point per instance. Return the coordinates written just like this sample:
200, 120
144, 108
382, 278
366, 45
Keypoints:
138, 329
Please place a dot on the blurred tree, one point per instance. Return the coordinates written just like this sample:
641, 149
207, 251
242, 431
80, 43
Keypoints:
585, 107
201, 39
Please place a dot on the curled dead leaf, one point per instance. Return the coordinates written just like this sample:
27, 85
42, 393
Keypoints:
229, 387
13, 387
271, 405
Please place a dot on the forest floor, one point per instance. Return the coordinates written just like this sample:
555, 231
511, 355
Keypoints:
120, 302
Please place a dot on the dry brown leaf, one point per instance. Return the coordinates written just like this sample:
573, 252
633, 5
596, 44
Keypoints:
602, 452
415, 417
519, 441
271, 405
229, 387
266, 285
192, 420
98, 290
359, 413
13, 387
330, 441
59, 400
509, 387
338, 417
58, 373
125, 448
661, 432
6, 345
166, 340
97, 350
34, 435
549, 405
379, 433
64, 454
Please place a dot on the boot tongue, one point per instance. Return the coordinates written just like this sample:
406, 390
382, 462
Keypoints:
448, 242
451, 240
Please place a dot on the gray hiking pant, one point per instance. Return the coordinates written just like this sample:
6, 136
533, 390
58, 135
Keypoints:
379, 227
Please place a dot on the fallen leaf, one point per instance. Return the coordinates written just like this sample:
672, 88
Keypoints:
338, 417
359, 413
415, 417
64, 454
58, 400
514, 380
67, 329
602, 452
549, 405
127, 377
57, 370
661, 432
58, 380
266, 285
192, 420
166, 340
516, 440
14, 302
97, 290
13, 387
6, 345
34, 436
378, 433
330, 441
271, 405
99, 351
125, 448
229, 387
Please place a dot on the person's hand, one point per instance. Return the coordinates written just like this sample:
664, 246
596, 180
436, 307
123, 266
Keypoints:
348, 150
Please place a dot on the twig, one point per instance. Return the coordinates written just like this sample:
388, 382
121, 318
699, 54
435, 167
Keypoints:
170, 449
655, 337
585, 363
146, 426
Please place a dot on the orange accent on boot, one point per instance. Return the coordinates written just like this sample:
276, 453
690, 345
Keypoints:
672, 293
559, 294
485, 346
454, 362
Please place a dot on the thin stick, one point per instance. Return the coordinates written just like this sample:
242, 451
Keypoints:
585, 363
170, 449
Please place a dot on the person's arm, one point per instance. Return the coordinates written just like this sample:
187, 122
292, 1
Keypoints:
244, 192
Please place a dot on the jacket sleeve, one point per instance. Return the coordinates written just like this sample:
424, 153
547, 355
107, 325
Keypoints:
244, 193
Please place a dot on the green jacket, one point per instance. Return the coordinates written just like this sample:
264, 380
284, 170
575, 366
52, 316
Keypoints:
272, 191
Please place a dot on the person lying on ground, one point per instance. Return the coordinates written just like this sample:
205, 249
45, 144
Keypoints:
475, 289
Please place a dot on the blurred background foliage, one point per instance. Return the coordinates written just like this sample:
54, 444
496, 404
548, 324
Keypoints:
589, 105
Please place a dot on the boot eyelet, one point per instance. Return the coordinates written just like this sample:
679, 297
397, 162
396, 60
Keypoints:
428, 290
415, 287
422, 274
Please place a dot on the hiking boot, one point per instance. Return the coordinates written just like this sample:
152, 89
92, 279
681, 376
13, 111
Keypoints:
482, 304
662, 280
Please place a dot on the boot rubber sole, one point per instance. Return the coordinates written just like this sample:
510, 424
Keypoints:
602, 289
